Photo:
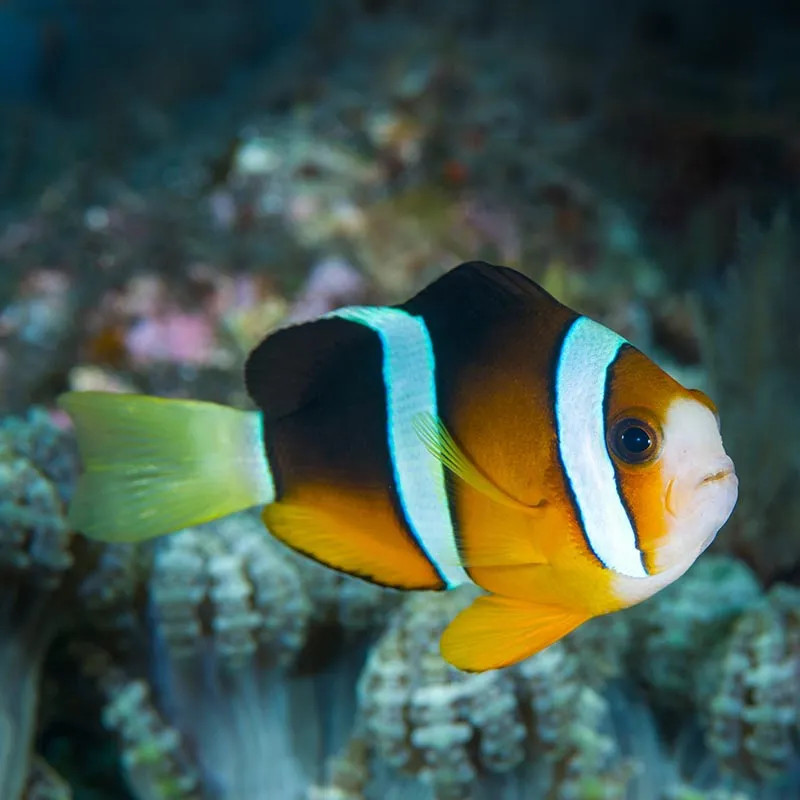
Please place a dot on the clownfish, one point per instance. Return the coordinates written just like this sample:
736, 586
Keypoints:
480, 433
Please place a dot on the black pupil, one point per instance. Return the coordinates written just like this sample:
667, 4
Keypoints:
635, 439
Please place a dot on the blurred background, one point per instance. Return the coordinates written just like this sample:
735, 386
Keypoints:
177, 178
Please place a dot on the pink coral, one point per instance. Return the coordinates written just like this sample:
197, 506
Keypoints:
175, 336
333, 282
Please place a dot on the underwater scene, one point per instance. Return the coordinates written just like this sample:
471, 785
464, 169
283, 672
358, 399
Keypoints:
474, 468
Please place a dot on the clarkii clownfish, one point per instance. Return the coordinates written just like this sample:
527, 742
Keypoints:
480, 433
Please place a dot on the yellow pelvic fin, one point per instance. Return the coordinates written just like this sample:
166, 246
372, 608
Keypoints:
498, 631
437, 439
152, 465
379, 556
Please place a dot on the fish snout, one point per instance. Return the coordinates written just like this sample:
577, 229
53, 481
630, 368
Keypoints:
681, 491
722, 470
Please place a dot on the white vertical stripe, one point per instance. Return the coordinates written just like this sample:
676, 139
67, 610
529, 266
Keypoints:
409, 377
586, 354
254, 460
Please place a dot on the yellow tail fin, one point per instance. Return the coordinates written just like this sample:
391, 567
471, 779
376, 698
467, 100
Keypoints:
152, 465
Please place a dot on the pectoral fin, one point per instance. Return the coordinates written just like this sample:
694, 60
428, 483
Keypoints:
437, 439
496, 632
510, 545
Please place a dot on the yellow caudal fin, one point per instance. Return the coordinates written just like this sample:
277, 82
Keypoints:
152, 465
437, 439
498, 631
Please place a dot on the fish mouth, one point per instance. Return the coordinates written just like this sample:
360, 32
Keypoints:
723, 471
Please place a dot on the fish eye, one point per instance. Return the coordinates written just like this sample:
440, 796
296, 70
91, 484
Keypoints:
633, 440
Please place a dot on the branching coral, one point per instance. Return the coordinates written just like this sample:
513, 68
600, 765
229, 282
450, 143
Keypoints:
34, 559
571, 729
230, 610
681, 628
536, 726
228, 581
154, 755
109, 589
229, 614
750, 701
198, 636
337, 599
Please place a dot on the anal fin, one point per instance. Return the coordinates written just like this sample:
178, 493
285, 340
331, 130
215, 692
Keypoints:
497, 631
379, 556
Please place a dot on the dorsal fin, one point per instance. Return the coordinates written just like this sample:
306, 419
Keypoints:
295, 365
477, 290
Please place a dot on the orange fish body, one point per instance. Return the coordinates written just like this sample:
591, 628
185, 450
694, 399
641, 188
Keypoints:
479, 433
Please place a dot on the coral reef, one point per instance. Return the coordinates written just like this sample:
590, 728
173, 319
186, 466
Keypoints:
614, 153
227, 581
679, 630
35, 463
537, 726
200, 633
153, 755
229, 614
751, 694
